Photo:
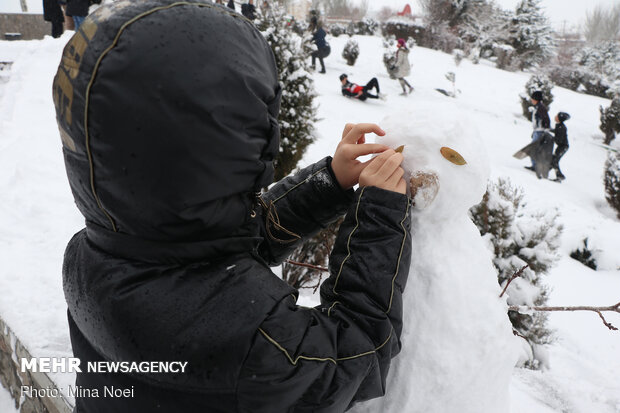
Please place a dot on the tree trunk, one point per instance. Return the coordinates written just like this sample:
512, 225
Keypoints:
609, 136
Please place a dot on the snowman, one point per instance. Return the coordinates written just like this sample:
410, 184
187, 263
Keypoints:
458, 349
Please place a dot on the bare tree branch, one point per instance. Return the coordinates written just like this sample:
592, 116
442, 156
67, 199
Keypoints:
303, 264
518, 308
602, 24
599, 310
516, 333
515, 275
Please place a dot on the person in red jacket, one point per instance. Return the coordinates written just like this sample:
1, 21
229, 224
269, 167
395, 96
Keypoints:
356, 91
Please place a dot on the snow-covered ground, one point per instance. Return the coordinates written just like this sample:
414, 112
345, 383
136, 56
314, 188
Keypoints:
38, 216
585, 358
7, 404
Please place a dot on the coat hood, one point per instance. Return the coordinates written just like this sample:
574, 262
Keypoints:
167, 113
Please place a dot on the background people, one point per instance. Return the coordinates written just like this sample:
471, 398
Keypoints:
249, 10
402, 66
323, 48
540, 121
356, 91
561, 141
52, 12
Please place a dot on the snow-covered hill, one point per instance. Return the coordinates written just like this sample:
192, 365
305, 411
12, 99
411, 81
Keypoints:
38, 216
585, 358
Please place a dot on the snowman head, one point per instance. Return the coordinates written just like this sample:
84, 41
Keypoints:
445, 160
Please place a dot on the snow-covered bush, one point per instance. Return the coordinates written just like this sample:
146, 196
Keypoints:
365, 27
568, 77
610, 120
584, 255
536, 82
297, 111
612, 181
389, 41
518, 237
594, 69
403, 28
389, 55
315, 251
442, 37
602, 59
351, 51
506, 57
337, 29
600, 68
531, 34
299, 26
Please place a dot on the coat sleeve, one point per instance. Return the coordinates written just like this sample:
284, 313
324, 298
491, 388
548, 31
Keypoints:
326, 358
543, 117
298, 207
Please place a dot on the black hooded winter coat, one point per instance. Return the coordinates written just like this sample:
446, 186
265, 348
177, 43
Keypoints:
167, 113
77, 7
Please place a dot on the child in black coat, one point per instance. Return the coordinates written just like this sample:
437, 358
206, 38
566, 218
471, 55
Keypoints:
182, 273
561, 141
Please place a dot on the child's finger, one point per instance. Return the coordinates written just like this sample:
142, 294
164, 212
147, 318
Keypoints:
347, 129
366, 149
359, 130
377, 162
396, 177
389, 166
401, 187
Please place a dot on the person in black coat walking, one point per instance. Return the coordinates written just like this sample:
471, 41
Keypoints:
540, 121
322, 47
77, 10
52, 12
561, 141
231, 4
173, 265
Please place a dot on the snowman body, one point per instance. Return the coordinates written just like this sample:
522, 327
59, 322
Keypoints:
458, 350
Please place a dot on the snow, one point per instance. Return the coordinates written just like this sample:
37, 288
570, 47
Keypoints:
454, 320
490, 98
38, 215
7, 404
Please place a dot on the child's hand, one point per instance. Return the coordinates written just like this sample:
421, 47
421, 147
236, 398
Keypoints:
385, 172
345, 165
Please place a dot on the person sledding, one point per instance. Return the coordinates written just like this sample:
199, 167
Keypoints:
402, 67
355, 91
561, 142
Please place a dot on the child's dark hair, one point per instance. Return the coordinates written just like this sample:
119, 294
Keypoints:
563, 116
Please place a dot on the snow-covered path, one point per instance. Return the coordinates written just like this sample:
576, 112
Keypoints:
37, 213
38, 216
